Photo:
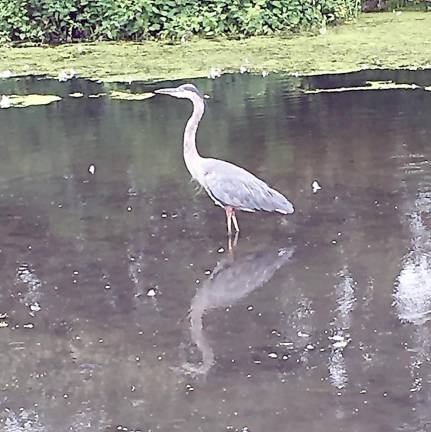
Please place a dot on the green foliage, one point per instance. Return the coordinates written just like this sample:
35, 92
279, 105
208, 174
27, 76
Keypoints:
67, 20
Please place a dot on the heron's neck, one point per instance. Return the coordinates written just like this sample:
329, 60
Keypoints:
191, 154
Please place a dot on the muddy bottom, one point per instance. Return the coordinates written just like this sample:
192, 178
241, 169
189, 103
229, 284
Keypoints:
121, 308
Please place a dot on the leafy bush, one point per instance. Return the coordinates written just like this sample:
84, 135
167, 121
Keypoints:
68, 20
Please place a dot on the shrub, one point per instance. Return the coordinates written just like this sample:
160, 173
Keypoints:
67, 20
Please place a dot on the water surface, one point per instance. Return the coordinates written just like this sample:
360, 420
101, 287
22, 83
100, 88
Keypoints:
122, 310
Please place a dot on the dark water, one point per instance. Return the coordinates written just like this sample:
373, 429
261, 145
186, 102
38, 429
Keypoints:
318, 321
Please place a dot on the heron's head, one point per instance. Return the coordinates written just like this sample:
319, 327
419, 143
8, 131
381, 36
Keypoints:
188, 91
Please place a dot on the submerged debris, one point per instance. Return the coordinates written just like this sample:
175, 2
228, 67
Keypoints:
151, 292
35, 307
315, 186
303, 335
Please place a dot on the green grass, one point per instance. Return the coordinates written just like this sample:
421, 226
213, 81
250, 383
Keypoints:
384, 40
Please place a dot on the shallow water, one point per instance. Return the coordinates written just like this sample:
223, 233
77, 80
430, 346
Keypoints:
110, 317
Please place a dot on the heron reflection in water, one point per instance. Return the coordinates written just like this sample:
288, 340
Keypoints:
228, 185
232, 280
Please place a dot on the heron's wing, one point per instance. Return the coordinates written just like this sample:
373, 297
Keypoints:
230, 185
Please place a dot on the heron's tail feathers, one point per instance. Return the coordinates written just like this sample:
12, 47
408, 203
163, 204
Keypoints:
280, 203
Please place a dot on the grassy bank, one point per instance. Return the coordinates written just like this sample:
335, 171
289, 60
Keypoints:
385, 40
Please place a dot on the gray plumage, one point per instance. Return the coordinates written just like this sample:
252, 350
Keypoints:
228, 185
231, 185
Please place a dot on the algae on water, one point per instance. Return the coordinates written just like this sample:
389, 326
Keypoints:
23, 101
374, 41
369, 85
119, 95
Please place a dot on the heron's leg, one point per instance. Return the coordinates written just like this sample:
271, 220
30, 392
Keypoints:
235, 222
229, 211
232, 245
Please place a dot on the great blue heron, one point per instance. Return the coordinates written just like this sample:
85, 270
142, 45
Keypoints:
228, 185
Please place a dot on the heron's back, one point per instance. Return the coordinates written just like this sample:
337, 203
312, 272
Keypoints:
230, 185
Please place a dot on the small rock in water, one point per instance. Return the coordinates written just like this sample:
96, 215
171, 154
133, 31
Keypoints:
273, 355
315, 186
151, 292
92, 169
242, 69
220, 250
3, 324
265, 73
304, 335
28, 325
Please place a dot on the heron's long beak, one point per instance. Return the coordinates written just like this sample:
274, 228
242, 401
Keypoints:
168, 91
